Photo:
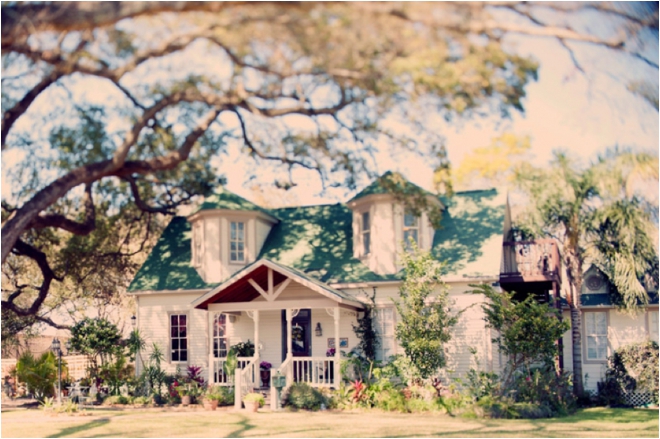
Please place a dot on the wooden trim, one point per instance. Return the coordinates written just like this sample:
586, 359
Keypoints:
282, 304
585, 358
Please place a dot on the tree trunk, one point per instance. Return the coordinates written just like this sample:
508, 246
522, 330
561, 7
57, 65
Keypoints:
574, 275
576, 332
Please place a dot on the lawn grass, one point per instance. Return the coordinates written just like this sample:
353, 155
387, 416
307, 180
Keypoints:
595, 422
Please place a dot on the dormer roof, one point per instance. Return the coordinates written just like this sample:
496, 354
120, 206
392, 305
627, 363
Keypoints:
222, 199
386, 182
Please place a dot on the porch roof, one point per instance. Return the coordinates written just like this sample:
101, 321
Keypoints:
239, 287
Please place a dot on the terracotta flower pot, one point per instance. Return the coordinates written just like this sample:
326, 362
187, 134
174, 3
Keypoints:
210, 405
251, 406
185, 400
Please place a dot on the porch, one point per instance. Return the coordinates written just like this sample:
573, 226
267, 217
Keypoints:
292, 320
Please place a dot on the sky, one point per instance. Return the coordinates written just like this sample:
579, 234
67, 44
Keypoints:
583, 114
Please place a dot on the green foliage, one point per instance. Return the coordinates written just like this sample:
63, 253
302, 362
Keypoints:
244, 349
98, 339
425, 322
116, 399
231, 363
141, 400
223, 394
254, 397
496, 163
527, 331
632, 367
302, 396
545, 387
479, 384
40, 374
366, 332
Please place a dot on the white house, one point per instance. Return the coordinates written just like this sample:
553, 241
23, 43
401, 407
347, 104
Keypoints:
293, 280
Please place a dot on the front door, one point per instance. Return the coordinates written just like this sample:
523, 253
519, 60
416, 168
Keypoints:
301, 340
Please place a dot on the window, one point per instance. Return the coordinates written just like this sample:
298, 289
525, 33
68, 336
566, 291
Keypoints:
410, 229
179, 337
385, 330
366, 233
197, 244
653, 325
237, 242
596, 335
220, 342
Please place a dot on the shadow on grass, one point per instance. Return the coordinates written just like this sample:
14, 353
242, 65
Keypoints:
80, 428
618, 416
245, 426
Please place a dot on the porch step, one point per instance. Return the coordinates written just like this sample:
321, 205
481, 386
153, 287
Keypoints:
265, 392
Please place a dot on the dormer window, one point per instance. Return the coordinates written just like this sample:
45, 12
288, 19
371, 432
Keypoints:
366, 233
410, 229
237, 242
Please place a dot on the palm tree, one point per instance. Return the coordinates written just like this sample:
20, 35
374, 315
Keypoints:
592, 214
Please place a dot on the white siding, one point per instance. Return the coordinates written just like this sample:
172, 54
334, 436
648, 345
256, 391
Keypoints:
263, 229
212, 243
153, 316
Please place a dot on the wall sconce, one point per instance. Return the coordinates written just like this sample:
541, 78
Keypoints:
232, 318
318, 330
133, 321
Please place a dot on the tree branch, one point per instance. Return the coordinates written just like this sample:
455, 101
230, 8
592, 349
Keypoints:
61, 222
10, 116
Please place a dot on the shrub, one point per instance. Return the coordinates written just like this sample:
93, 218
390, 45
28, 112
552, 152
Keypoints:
391, 400
632, 367
40, 374
116, 399
141, 400
543, 386
302, 396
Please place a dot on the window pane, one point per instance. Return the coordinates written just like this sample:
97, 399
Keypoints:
365, 221
241, 246
409, 220
175, 356
182, 320
241, 256
232, 246
241, 227
174, 320
366, 242
592, 352
182, 331
183, 344
601, 323
233, 256
175, 344
240, 234
174, 331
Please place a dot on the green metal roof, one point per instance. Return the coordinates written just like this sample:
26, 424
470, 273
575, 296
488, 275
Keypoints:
316, 241
470, 237
168, 266
224, 199
391, 179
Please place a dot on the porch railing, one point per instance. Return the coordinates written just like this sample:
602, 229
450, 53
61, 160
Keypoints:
221, 378
315, 371
530, 258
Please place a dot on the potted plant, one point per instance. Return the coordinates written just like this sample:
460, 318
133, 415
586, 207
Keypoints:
213, 397
264, 371
187, 392
253, 401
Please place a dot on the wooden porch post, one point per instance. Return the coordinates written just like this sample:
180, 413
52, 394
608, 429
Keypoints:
337, 352
255, 367
289, 333
211, 367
